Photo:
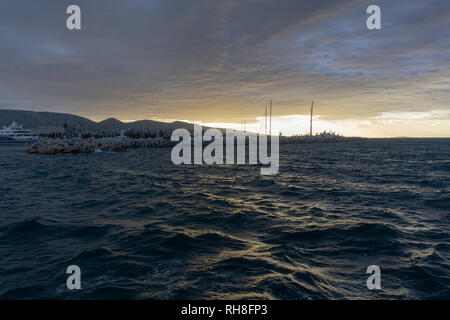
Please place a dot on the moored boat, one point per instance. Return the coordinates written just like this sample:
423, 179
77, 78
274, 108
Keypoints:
15, 133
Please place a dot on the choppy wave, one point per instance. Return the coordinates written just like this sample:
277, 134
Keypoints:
140, 227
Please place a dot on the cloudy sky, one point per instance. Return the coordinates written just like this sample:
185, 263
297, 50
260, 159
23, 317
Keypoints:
221, 62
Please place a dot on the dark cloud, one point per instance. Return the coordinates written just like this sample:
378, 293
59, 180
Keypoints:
223, 60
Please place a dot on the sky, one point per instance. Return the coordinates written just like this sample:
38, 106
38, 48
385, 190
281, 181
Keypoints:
221, 62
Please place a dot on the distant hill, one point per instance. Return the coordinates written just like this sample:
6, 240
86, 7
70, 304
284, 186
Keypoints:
45, 121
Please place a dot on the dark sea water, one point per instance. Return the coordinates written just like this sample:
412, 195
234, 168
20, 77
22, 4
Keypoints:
140, 227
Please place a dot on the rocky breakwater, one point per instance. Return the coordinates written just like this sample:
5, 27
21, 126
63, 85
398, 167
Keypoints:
78, 145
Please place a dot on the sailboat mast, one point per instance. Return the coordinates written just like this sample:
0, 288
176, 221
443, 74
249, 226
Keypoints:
265, 120
310, 121
270, 128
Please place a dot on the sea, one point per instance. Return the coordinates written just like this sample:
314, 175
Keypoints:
140, 227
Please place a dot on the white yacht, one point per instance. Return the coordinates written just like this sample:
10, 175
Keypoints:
15, 133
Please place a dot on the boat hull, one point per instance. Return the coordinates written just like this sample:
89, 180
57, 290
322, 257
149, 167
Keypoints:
8, 141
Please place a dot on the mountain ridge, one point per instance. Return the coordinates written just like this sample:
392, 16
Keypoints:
41, 121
